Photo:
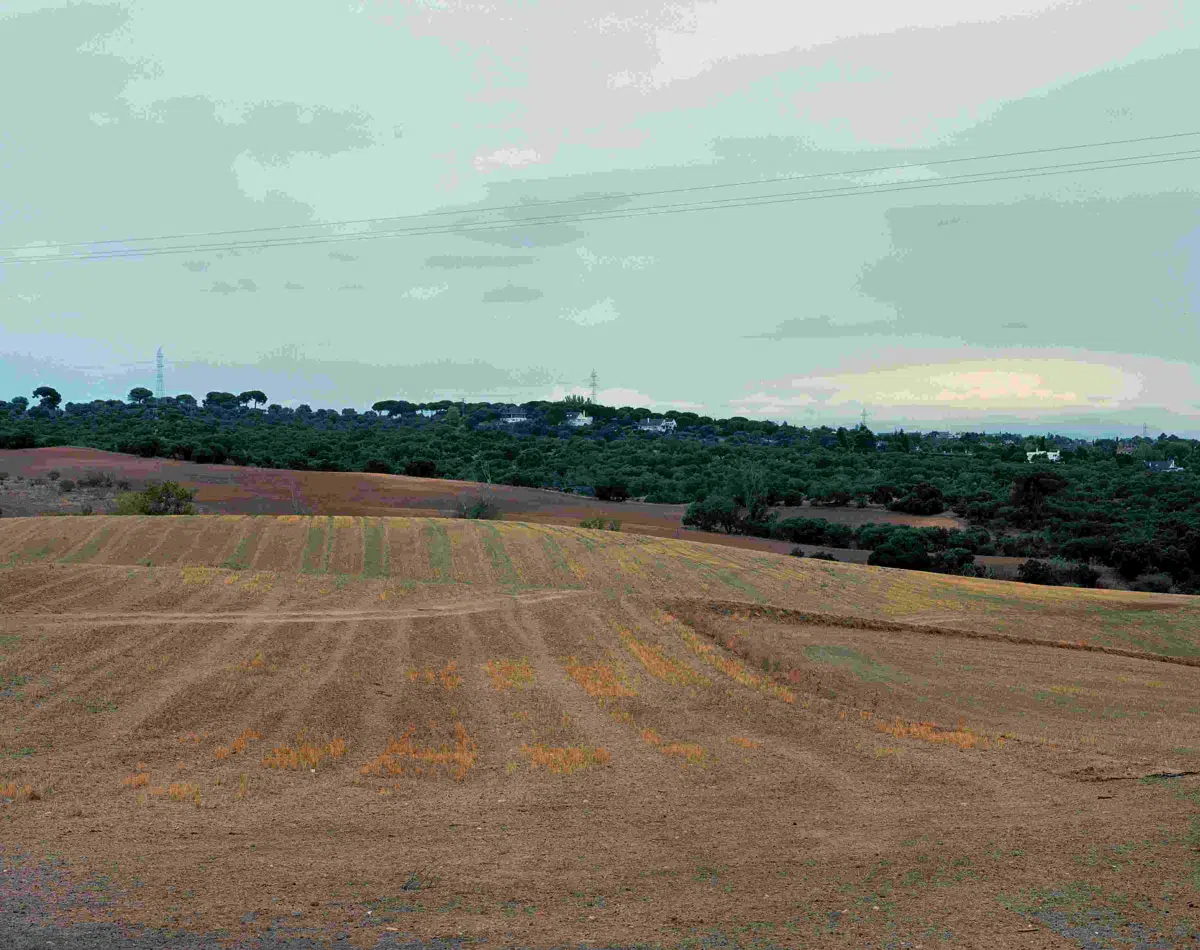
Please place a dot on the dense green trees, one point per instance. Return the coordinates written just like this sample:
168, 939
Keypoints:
1096, 507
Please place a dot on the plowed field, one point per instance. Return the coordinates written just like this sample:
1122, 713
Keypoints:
366, 728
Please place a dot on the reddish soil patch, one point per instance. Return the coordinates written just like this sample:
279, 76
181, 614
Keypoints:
541, 735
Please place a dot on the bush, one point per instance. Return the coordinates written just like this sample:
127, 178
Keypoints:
601, 523
904, 549
86, 510
66, 485
1156, 583
420, 468
710, 514
94, 478
39, 481
613, 491
53, 474
924, 499
478, 509
167, 498
122, 483
820, 555
3, 477
1034, 571
378, 467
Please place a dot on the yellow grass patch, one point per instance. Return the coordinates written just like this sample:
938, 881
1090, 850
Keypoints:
343, 521
658, 664
928, 732
402, 756
563, 760
731, 666
290, 519
599, 679
510, 674
304, 753
448, 676
1073, 691
197, 575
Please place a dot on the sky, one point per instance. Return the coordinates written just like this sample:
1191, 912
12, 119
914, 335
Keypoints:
854, 260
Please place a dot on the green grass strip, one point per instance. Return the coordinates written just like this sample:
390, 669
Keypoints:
312, 551
864, 667
441, 559
329, 533
89, 550
501, 562
375, 549
732, 580
237, 560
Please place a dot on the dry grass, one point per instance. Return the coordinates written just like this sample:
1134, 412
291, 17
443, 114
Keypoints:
139, 779
304, 753
563, 760
659, 665
402, 756
599, 679
257, 664
510, 674
745, 743
929, 732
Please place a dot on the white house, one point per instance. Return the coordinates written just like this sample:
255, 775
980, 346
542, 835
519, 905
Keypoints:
1167, 466
577, 418
657, 424
1050, 456
428, 413
513, 415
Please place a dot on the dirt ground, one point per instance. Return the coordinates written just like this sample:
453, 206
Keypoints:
545, 736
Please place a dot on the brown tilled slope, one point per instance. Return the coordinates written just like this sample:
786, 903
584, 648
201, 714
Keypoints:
747, 729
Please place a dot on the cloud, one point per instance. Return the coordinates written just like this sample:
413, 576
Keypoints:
221, 287
510, 157
351, 287
342, 256
603, 311
425, 293
476, 261
1014, 326
510, 293
293, 286
196, 266
629, 262
803, 328
770, 404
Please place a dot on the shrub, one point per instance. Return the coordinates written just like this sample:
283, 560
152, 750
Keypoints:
167, 498
86, 510
601, 523
822, 556
1156, 583
122, 483
479, 509
1034, 571
39, 481
378, 467
612, 491
66, 485
420, 468
3, 477
710, 514
924, 499
53, 474
94, 478
904, 549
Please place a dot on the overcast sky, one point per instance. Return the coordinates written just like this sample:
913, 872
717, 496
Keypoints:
1065, 302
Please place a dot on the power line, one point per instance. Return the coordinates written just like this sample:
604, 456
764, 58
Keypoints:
626, 195
712, 204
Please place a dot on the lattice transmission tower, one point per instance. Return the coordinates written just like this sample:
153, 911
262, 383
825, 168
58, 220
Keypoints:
592, 379
158, 377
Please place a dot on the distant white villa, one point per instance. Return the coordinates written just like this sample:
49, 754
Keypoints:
578, 418
513, 415
657, 424
429, 413
1050, 456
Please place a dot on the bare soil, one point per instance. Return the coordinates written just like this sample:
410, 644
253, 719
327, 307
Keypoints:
778, 751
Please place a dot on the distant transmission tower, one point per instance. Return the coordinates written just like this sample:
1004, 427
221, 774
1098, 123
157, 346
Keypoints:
864, 417
158, 379
592, 378
1143, 430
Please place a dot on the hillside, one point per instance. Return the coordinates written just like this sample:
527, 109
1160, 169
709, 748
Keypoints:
542, 734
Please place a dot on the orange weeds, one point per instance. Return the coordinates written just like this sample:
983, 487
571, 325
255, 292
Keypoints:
745, 743
138, 780
692, 753
237, 746
510, 674
448, 675
563, 760
304, 753
401, 755
12, 792
658, 664
597, 680
929, 732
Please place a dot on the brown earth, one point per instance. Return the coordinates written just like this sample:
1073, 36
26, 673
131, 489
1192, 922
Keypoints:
747, 726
